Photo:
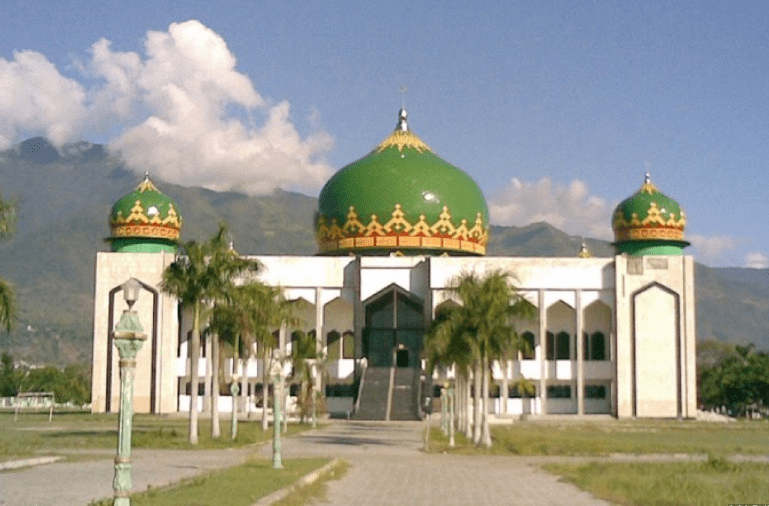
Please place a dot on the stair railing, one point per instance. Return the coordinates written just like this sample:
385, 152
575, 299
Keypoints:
364, 367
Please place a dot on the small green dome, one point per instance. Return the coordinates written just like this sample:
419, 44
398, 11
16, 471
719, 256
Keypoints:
402, 198
649, 223
145, 220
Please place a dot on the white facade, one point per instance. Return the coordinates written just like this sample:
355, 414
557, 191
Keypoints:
612, 335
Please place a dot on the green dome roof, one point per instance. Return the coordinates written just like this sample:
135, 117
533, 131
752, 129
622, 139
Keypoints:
145, 220
401, 197
649, 223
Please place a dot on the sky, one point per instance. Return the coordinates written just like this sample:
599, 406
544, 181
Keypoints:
556, 109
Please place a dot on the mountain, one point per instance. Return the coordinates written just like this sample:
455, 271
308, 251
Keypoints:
63, 200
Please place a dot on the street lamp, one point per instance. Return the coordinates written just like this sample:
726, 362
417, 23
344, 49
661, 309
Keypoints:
277, 373
128, 337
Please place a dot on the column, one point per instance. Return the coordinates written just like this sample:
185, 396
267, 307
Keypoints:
580, 354
542, 353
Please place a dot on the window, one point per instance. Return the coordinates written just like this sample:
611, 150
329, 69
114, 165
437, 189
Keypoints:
597, 346
562, 346
559, 392
558, 346
516, 393
594, 346
332, 345
528, 346
348, 345
595, 391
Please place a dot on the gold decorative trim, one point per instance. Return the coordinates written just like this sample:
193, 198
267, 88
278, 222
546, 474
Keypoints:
399, 233
400, 140
654, 220
151, 230
646, 234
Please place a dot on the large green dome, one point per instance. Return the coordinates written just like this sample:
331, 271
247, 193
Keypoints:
145, 220
402, 198
649, 223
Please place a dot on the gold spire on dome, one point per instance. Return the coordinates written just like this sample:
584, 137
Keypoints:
583, 251
402, 137
147, 185
648, 186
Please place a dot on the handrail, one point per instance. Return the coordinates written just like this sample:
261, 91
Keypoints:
364, 367
390, 389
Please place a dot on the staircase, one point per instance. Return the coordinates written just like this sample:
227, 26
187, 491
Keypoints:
373, 396
405, 402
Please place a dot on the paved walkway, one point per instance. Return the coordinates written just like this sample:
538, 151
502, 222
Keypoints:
79, 483
387, 468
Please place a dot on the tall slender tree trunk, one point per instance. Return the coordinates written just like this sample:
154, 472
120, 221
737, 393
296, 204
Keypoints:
265, 387
235, 397
504, 364
467, 396
215, 429
477, 403
194, 358
206, 347
485, 433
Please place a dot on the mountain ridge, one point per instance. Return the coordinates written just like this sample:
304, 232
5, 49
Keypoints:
63, 203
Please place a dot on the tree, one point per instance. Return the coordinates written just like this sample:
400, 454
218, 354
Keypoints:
304, 353
475, 333
7, 299
10, 378
204, 273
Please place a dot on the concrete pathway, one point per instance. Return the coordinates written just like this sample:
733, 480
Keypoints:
388, 468
79, 483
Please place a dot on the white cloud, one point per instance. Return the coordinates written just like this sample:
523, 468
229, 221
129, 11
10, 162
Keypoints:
570, 207
37, 98
714, 250
182, 110
756, 260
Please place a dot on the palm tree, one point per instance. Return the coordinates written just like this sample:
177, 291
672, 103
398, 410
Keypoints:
304, 354
473, 335
204, 273
7, 299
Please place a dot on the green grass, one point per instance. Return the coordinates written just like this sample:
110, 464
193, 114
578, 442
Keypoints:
237, 486
617, 436
716, 482
316, 491
33, 435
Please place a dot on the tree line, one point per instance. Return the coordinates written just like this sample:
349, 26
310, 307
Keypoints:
69, 385
733, 378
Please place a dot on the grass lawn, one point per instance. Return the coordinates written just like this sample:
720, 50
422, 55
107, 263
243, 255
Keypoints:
32, 435
237, 486
618, 436
716, 482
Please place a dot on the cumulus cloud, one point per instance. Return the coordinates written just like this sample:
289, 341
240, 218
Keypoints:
756, 260
37, 98
712, 250
182, 110
570, 208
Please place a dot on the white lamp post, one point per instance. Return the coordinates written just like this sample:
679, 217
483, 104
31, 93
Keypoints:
128, 337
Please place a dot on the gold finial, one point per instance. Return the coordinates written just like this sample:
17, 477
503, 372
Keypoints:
583, 251
648, 186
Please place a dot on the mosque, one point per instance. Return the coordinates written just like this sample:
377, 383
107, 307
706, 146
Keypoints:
611, 335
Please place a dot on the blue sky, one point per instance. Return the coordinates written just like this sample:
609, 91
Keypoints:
557, 109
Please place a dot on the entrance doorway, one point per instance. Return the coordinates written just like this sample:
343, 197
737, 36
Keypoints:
394, 321
402, 358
